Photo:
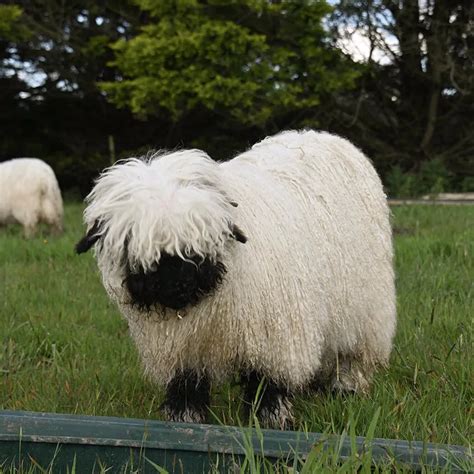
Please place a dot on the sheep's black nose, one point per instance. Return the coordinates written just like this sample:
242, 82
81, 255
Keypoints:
173, 284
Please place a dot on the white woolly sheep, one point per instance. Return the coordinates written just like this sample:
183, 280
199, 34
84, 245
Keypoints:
308, 300
29, 195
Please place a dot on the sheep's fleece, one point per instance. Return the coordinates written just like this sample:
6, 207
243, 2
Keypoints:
29, 195
311, 293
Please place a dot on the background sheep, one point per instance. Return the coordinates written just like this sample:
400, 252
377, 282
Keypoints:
29, 195
309, 299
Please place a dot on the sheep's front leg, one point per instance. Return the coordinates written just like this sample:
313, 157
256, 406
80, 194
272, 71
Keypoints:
187, 398
270, 401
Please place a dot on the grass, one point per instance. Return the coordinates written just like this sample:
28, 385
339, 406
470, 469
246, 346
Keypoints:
64, 347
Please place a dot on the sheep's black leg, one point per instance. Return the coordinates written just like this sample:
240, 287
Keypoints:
270, 400
187, 398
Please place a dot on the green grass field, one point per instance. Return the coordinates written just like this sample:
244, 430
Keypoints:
64, 347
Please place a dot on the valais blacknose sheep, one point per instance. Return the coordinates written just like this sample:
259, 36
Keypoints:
276, 266
29, 195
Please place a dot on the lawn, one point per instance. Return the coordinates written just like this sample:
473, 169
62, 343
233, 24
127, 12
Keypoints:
64, 347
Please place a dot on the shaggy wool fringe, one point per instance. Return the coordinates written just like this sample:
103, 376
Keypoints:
312, 289
171, 203
30, 194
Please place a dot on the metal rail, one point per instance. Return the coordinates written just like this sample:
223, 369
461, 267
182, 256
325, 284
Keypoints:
89, 442
431, 202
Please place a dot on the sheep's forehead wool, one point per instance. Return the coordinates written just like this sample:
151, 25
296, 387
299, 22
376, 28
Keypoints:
170, 203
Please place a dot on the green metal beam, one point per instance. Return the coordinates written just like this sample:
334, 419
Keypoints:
88, 442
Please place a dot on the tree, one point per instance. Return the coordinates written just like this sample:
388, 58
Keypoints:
417, 106
11, 29
221, 74
221, 68
53, 107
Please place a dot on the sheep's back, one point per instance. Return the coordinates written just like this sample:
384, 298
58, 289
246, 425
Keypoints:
319, 252
22, 176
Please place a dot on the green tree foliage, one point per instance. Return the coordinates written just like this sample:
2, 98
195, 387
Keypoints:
251, 63
222, 74
9, 22
11, 29
52, 55
67, 45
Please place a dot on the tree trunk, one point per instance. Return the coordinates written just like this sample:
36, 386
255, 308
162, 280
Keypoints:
436, 37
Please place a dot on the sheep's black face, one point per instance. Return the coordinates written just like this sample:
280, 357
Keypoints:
175, 283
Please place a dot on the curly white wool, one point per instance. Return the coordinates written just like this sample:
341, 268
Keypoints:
170, 203
29, 195
312, 289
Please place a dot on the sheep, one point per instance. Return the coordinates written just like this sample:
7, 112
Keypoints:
275, 265
29, 195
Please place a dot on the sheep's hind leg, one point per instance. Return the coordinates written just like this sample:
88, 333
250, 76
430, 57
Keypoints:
351, 375
29, 226
187, 398
270, 400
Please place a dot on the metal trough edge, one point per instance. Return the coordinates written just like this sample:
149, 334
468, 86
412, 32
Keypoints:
181, 447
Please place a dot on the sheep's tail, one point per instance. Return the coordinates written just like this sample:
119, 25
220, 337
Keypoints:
52, 204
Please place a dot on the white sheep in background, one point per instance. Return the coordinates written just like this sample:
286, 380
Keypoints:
29, 195
309, 299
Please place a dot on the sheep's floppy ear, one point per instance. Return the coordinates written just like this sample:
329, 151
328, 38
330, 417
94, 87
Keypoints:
92, 236
238, 234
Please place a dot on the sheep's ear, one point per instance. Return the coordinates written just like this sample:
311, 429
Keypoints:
238, 234
92, 236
